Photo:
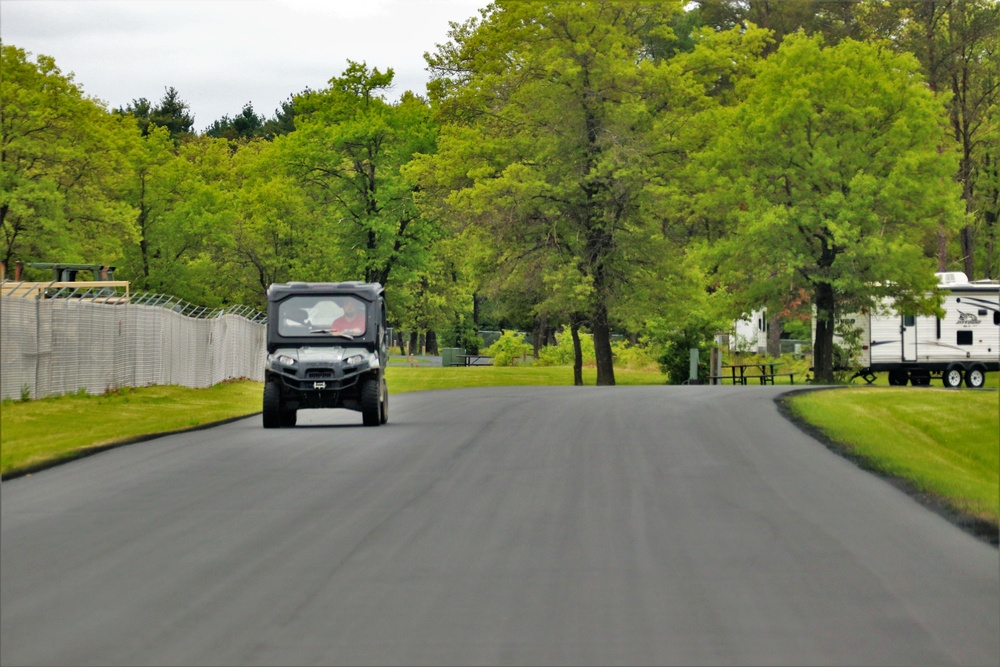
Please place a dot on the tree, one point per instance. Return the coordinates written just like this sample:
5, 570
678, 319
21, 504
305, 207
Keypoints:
835, 164
565, 130
347, 151
61, 167
171, 113
243, 127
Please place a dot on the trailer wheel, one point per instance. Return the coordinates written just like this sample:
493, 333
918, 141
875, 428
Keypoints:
975, 377
952, 377
898, 378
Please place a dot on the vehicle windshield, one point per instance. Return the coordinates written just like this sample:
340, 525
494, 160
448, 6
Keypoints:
340, 315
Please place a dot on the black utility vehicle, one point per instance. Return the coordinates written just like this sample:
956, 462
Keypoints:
327, 346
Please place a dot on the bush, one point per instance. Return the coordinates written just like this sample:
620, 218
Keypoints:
508, 349
561, 354
635, 357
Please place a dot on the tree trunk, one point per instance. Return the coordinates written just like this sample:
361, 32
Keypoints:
774, 336
414, 339
602, 346
823, 346
432, 342
574, 329
538, 340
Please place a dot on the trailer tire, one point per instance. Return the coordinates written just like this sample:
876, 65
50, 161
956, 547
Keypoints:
975, 377
952, 377
898, 378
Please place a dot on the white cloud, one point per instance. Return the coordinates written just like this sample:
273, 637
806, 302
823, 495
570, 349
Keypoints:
221, 54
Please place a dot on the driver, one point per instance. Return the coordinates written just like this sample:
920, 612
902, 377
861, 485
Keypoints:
352, 321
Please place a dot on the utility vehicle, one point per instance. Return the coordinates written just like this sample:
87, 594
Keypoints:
327, 347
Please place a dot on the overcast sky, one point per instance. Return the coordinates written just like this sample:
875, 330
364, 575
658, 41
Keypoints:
221, 54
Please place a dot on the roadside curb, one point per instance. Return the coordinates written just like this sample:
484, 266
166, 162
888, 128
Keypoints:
97, 449
978, 528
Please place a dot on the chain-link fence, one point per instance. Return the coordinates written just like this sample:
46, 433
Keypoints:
59, 346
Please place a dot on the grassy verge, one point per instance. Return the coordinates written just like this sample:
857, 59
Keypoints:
943, 442
38, 432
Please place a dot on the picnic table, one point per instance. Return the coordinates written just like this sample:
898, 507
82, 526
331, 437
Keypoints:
762, 371
475, 359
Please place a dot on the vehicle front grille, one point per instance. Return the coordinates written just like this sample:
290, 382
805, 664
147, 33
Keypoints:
319, 373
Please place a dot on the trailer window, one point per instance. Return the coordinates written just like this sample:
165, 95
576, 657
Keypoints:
996, 317
965, 338
909, 321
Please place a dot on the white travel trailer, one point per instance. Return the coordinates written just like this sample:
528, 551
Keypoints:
963, 345
750, 333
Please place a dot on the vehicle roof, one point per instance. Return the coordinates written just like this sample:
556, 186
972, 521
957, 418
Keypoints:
368, 291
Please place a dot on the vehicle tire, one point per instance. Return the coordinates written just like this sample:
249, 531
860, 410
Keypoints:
975, 377
920, 378
272, 405
289, 417
952, 377
385, 403
898, 378
371, 404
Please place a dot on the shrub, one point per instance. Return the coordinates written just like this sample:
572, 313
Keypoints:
508, 349
561, 354
635, 357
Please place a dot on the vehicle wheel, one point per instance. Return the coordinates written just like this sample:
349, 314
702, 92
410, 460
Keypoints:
272, 405
920, 378
385, 403
953, 376
289, 417
371, 406
898, 378
975, 377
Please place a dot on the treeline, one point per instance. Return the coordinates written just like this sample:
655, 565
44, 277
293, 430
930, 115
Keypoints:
651, 168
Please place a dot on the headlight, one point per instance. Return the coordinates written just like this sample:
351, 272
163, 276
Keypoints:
354, 360
285, 361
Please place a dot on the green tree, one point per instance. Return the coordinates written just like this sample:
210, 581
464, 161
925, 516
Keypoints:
565, 131
835, 164
347, 151
171, 113
243, 127
61, 167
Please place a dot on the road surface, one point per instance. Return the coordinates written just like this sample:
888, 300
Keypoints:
622, 525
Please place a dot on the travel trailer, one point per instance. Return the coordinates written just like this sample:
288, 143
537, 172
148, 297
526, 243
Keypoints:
961, 346
750, 333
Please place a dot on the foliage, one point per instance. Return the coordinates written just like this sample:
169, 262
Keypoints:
637, 357
562, 353
172, 113
62, 167
836, 166
509, 349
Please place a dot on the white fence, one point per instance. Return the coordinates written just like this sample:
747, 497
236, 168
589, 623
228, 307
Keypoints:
59, 346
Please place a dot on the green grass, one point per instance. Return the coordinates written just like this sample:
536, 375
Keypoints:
945, 442
401, 379
37, 432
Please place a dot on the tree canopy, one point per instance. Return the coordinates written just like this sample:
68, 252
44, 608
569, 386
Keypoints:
652, 169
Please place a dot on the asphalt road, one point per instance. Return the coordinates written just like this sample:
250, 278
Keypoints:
628, 525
